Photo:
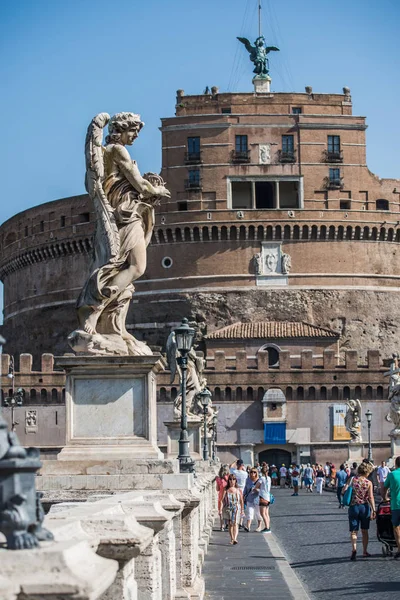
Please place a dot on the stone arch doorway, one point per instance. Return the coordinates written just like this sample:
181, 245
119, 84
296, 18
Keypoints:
275, 456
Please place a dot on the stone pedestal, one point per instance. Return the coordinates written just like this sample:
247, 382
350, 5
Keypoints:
262, 84
194, 434
394, 444
111, 407
356, 452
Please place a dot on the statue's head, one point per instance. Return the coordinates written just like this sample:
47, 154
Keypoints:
260, 41
123, 128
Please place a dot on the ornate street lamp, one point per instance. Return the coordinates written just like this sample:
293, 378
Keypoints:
184, 340
205, 399
16, 398
214, 436
368, 414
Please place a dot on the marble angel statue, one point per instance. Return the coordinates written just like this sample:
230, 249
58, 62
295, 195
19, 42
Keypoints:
123, 202
195, 381
352, 420
394, 395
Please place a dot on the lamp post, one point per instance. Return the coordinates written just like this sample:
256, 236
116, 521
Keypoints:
205, 399
368, 414
16, 398
184, 339
214, 437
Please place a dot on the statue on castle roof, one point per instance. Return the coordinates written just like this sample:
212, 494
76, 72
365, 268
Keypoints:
124, 203
258, 54
352, 420
394, 395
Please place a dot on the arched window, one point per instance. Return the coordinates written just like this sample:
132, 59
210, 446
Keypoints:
54, 395
233, 233
340, 233
304, 234
322, 234
331, 232
296, 232
335, 393
289, 393
174, 393
32, 395
228, 394
366, 233
178, 234
252, 232
239, 394
314, 232
269, 232
161, 236
224, 233
379, 392
163, 394
300, 393
374, 234
187, 234
260, 232
349, 232
217, 394
382, 234
322, 393
196, 234
206, 234
278, 232
390, 234
273, 354
368, 392
346, 393
357, 392
357, 233
311, 393
286, 232
242, 233
170, 239
260, 393
214, 233
63, 394
249, 394
43, 395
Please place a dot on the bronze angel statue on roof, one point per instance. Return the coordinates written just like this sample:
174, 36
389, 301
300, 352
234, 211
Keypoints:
123, 202
258, 54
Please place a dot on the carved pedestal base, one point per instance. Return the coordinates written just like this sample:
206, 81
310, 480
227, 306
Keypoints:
394, 444
262, 84
106, 344
356, 452
111, 407
194, 433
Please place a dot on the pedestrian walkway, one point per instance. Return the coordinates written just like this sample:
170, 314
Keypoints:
248, 569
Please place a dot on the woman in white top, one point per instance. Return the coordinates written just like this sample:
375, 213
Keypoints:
265, 499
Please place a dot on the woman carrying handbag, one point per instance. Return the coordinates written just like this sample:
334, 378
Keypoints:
359, 497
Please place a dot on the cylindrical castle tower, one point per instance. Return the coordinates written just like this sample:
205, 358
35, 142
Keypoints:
273, 215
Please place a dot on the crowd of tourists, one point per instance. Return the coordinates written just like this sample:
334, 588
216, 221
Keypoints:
245, 496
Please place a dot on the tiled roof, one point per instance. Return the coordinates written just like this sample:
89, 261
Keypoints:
271, 329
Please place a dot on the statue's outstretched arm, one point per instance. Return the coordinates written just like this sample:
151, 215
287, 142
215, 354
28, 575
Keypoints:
132, 173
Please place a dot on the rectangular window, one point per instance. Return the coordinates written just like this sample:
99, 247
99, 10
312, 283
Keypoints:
334, 174
41, 226
84, 218
296, 110
334, 144
193, 145
182, 205
194, 177
288, 144
241, 194
288, 194
226, 111
265, 194
62, 221
241, 143
345, 204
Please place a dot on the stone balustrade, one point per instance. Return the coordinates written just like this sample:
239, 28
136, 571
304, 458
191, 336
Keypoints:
145, 545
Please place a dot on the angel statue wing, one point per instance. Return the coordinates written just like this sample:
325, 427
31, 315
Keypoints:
271, 49
106, 241
248, 46
171, 355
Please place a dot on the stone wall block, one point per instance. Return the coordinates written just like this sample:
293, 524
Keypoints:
219, 361
262, 360
5, 363
47, 363
284, 360
329, 359
241, 360
25, 363
148, 572
351, 358
373, 359
307, 359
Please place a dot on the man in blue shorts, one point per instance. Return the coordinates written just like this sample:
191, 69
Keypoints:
392, 483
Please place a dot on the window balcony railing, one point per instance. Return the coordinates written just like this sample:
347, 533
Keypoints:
334, 157
334, 183
287, 156
240, 156
193, 184
193, 158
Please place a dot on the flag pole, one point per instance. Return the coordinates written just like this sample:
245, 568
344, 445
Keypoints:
259, 18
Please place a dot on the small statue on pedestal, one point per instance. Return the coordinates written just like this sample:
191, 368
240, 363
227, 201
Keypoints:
353, 420
394, 395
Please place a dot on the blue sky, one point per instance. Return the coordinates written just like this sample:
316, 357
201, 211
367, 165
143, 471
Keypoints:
63, 62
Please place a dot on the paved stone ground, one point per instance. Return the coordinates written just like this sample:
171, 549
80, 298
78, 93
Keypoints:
313, 534
249, 569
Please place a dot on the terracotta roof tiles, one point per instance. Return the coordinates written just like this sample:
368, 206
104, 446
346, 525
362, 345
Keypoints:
272, 329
